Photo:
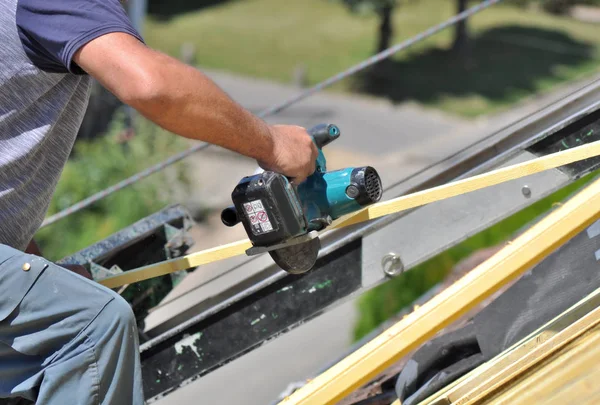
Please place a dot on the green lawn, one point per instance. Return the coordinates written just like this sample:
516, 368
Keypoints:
516, 52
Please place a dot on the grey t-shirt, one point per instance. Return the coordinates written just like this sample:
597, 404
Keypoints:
43, 96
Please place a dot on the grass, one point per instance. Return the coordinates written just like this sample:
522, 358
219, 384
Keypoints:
516, 52
386, 300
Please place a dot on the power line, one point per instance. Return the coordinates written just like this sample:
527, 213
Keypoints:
275, 109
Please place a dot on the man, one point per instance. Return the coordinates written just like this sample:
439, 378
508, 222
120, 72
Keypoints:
63, 338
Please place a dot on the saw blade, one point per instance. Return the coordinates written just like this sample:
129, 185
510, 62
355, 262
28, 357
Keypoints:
299, 258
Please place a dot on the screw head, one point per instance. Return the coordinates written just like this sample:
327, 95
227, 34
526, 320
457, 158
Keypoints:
526, 191
392, 265
352, 191
26, 266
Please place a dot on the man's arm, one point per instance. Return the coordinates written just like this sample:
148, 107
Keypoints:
33, 248
184, 101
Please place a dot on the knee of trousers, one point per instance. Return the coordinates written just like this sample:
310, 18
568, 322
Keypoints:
117, 317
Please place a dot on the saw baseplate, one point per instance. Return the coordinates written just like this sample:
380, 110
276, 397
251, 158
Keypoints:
295, 256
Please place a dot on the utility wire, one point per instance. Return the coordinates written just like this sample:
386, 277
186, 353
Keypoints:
275, 109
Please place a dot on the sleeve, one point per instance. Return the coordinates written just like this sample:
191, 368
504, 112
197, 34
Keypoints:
51, 31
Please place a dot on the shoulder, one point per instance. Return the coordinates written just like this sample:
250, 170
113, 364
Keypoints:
52, 31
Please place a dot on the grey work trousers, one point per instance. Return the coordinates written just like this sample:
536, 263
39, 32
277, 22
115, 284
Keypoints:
64, 339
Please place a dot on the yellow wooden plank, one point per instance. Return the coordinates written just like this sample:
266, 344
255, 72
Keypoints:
473, 183
575, 391
396, 342
525, 357
546, 339
593, 400
568, 364
374, 211
181, 263
532, 380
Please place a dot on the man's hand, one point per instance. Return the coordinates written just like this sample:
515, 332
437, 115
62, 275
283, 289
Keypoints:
184, 101
294, 153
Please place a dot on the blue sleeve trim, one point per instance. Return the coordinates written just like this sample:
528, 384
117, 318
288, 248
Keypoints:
51, 31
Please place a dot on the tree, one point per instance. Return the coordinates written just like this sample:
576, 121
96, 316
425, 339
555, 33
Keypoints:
461, 35
384, 9
560, 7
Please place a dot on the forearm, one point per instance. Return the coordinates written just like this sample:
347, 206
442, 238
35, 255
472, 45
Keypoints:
33, 248
174, 95
186, 102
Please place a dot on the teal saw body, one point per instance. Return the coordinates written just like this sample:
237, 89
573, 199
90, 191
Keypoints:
284, 220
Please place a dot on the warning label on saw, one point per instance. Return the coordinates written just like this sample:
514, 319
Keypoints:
259, 219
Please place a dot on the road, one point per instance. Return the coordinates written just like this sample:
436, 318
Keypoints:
397, 140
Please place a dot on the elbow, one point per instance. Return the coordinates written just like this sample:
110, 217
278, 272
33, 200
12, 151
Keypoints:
144, 92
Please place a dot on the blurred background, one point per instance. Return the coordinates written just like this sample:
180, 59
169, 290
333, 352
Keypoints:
400, 115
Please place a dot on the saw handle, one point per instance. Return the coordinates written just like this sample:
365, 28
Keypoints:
230, 217
324, 134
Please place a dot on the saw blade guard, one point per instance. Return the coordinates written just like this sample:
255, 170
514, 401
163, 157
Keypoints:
299, 258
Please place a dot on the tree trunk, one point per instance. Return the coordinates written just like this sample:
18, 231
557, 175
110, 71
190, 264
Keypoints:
461, 35
385, 27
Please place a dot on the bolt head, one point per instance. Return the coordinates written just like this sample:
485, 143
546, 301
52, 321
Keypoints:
352, 191
392, 265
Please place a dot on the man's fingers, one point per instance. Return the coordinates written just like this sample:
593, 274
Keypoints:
315, 151
313, 167
296, 181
